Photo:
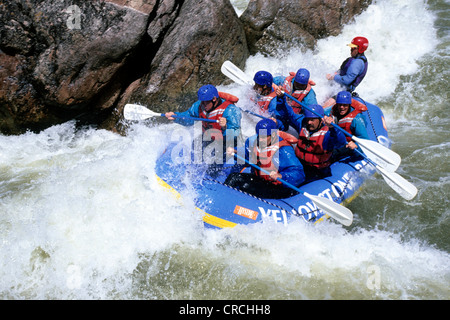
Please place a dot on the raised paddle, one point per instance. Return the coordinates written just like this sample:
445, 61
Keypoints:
333, 209
235, 74
136, 112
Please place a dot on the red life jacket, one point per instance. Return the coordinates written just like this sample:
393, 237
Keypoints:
297, 94
264, 101
346, 121
310, 148
217, 112
264, 156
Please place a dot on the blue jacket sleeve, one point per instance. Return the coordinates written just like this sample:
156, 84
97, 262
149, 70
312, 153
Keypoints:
289, 166
231, 113
358, 127
277, 111
310, 98
233, 116
334, 138
288, 114
191, 112
355, 69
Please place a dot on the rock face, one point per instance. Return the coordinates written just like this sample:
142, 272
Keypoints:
270, 24
191, 47
84, 60
61, 60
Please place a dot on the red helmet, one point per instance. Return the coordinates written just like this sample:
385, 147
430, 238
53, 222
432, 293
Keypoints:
361, 43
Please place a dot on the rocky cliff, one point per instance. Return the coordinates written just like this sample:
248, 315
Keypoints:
84, 60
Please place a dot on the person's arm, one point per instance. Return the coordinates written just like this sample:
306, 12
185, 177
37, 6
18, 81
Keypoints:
278, 114
310, 98
358, 127
289, 166
289, 115
233, 116
191, 112
334, 138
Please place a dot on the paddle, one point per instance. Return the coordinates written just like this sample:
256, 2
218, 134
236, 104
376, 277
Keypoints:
137, 112
383, 159
333, 209
255, 114
399, 184
235, 74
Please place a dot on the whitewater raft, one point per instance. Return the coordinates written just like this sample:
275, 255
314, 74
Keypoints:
225, 207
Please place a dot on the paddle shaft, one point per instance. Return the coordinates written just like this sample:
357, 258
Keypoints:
134, 109
192, 118
255, 114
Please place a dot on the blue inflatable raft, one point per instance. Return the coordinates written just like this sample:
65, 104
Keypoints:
223, 206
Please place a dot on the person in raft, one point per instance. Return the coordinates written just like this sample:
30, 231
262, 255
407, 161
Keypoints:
269, 99
353, 69
299, 86
213, 105
317, 140
347, 113
271, 150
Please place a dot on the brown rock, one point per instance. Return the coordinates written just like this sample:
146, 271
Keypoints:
204, 34
62, 60
270, 25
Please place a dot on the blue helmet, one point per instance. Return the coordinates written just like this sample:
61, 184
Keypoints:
267, 125
317, 108
344, 97
207, 93
263, 78
302, 76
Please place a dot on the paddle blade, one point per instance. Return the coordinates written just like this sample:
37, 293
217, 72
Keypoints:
379, 154
399, 184
137, 112
333, 209
235, 74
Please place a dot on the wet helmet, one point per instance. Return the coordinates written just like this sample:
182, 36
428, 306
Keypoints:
266, 127
317, 108
207, 93
344, 97
263, 78
361, 43
302, 76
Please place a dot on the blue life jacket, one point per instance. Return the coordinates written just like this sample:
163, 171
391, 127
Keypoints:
346, 64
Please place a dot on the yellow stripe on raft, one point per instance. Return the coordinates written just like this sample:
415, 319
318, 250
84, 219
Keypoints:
222, 223
207, 218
